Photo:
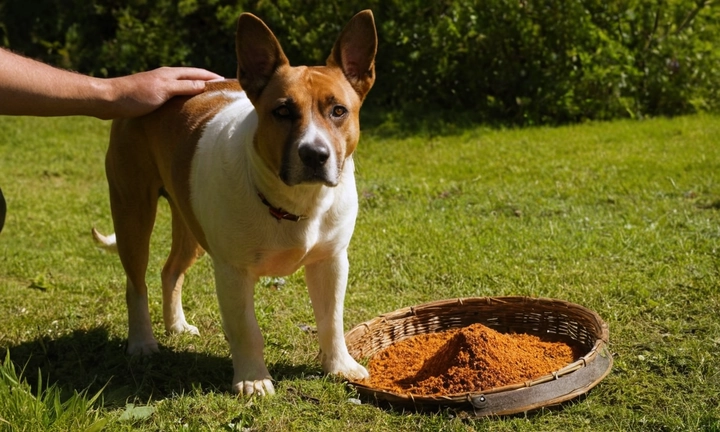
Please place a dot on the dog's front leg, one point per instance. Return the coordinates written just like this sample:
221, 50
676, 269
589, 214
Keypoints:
326, 281
235, 290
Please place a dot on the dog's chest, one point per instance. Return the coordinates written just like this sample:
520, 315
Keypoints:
283, 247
224, 184
278, 262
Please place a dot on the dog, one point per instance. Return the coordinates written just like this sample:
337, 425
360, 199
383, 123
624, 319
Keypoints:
259, 174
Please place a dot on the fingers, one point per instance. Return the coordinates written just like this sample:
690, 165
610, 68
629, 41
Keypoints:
142, 93
189, 73
185, 87
185, 81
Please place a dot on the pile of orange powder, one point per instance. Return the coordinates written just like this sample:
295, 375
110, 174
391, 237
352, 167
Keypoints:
469, 359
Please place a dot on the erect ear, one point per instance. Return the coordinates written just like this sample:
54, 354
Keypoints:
354, 52
259, 54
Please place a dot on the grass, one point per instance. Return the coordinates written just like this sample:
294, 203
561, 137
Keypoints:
45, 409
621, 217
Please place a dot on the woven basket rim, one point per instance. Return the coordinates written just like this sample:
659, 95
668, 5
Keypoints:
592, 326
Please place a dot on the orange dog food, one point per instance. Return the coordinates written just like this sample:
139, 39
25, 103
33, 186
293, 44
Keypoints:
469, 359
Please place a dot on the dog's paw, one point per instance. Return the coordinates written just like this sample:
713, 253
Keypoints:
142, 348
347, 368
183, 327
254, 388
354, 372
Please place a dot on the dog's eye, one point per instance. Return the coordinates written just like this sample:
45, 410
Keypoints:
339, 111
282, 112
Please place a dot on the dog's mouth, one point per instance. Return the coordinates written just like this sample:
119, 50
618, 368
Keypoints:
306, 175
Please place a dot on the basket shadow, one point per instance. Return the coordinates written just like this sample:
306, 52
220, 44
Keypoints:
92, 360
466, 412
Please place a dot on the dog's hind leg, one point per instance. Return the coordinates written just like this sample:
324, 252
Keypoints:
134, 206
133, 230
184, 251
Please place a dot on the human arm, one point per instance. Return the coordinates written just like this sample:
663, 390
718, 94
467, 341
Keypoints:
28, 87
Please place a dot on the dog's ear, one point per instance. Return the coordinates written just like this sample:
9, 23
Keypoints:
259, 54
354, 52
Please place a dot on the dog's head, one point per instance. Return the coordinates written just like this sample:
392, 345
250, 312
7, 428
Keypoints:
308, 117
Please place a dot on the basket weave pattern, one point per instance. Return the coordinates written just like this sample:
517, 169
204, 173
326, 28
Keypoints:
550, 319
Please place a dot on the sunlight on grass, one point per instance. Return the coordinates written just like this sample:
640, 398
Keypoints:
621, 217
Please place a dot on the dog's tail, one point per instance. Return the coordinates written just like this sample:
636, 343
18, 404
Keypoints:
107, 243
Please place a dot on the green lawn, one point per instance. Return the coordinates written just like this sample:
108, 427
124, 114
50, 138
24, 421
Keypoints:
622, 217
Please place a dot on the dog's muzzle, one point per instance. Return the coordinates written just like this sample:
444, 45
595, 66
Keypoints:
313, 162
314, 155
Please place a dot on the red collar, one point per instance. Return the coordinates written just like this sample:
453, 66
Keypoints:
279, 213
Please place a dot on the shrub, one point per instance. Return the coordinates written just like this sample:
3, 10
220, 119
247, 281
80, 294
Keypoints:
521, 61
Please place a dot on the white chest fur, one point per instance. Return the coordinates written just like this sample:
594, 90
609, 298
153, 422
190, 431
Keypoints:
225, 178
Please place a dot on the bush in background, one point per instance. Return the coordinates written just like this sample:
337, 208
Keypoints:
518, 62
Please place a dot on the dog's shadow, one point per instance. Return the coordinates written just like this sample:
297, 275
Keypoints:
92, 361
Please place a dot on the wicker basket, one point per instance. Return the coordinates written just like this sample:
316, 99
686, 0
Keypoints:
549, 319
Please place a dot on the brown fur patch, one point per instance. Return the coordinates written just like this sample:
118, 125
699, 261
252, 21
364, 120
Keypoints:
162, 146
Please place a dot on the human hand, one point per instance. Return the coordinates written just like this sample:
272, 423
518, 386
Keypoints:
141, 93
29, 87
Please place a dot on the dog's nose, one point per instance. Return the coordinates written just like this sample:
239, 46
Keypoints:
314, 155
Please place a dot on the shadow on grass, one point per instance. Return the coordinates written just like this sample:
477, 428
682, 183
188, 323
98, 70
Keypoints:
91, 360
465, 411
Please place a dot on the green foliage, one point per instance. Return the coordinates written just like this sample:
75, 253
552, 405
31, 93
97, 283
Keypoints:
543, 61
522, 62
22, 409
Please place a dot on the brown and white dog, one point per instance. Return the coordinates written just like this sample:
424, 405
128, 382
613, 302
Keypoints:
260, 175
